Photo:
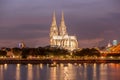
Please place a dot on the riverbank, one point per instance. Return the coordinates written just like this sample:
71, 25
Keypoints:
50, 61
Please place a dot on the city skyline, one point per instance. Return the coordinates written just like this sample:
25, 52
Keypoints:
93, 22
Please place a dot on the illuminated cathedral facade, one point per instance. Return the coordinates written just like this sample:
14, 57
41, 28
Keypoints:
59, 36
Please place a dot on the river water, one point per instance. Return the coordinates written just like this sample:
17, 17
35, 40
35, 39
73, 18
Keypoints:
85, 71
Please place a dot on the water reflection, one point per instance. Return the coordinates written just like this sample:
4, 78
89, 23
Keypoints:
37, 72
18, 72
85, 71
41, 66
94, 71
1, 72
68, 71
102, 71
53, 73
5, 66
30, 72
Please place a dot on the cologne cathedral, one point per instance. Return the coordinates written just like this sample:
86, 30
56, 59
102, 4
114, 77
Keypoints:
59, 36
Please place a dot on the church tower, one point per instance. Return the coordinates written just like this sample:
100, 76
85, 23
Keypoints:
53, 29
62, 28
61, 38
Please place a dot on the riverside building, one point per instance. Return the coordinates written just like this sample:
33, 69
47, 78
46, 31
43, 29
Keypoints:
59, 36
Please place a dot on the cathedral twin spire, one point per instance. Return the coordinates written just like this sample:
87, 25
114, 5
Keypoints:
54, 28
62, 28
54, 20
59, 37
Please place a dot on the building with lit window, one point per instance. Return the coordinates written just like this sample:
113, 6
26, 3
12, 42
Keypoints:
21, 45
59, 36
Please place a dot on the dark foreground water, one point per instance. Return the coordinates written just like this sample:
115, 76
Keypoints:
85, 71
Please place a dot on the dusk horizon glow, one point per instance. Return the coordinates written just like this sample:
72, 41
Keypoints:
94, 22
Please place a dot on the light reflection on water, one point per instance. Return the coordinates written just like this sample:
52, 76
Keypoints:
30, 72
85, 71
53, 75
18, 72
1, 72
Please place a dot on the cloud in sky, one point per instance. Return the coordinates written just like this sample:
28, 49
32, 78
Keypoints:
30, 20
91, 42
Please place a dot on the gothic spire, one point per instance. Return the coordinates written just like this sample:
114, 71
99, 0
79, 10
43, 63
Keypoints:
62, 19
54, 20
62, 27
53, 29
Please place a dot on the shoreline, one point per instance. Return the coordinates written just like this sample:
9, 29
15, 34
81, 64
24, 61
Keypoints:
50, 61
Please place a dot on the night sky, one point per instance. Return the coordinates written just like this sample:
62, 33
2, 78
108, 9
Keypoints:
94, 22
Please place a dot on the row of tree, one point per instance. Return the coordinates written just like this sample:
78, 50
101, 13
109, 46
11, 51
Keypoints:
40, 51
51, 51
3, 53
87, 52
43, 51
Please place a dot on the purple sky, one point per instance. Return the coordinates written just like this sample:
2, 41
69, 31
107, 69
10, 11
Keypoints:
94, 22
